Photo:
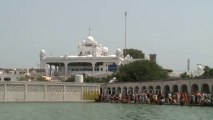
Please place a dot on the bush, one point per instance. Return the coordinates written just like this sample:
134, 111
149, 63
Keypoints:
41, 78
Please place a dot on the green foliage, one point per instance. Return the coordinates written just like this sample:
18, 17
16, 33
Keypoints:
41, 78
184, 75
208, 72
70, 79
22, 78
141, 71
98, 80
134, 53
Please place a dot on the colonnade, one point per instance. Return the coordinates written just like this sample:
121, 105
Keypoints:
169, 86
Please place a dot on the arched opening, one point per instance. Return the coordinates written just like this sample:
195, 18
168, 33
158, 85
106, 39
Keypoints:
194, 88
151, 89
205, 88
7, 79
212, 88
144, 90
166, 90
130, 91
98, 66
101, 90
113, 90
175, 89
136, 89
124, 91
184, 88
56, 69
158, 89
108, 92
119, 90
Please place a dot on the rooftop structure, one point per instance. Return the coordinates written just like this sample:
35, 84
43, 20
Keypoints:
92, 59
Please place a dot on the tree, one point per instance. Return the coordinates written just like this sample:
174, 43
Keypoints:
208, 72
134, 53
41, 78
22, 78
70, 79
184, 75
141, 71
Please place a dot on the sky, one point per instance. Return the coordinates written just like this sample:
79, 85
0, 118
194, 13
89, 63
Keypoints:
175, 30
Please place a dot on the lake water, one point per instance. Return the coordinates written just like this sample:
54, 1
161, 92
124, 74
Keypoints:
101, 111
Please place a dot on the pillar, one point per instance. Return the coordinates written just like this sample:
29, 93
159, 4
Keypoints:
5, 90
65, 71
50, 71
82, 93
93, 68
25, 93
45, 92
64, 92
59, 67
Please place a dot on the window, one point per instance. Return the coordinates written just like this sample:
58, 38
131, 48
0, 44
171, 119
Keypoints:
7, 79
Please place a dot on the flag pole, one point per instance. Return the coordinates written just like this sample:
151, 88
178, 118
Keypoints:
125, 32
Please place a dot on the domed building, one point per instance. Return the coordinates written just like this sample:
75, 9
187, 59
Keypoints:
92, 60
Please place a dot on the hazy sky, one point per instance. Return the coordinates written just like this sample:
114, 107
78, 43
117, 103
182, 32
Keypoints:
173, 29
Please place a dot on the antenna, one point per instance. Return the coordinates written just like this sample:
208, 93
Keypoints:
125, 31
188, 65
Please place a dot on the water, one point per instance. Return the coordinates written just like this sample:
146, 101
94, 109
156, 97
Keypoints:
101, 111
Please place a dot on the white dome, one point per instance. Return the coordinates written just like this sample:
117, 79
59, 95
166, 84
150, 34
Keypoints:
90, 38
113, 80
42, 54
118, 50
42, 51
128, 57
105, 49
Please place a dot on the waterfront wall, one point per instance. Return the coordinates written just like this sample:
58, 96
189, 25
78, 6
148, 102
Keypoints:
168, 86
48, 91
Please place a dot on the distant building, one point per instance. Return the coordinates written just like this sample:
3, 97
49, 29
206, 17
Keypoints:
12, 74
92, 60
17, 73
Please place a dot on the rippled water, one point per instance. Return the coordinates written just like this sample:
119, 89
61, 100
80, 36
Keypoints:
101, 111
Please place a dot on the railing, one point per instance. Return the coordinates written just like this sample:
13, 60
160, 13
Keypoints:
48, 91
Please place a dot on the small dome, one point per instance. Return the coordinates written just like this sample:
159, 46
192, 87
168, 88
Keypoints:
42, 54
113, 80
90, 38
105, 49
42, 51
118, 50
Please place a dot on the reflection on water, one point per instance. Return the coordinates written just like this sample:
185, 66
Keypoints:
101, 111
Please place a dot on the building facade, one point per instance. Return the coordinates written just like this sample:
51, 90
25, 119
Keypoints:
92, 60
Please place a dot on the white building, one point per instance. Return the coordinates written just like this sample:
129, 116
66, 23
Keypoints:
92, 60
12, 74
